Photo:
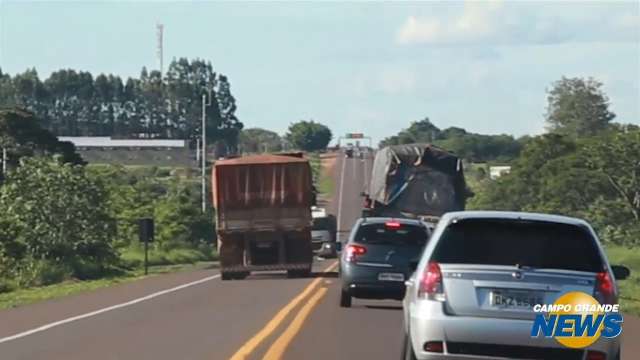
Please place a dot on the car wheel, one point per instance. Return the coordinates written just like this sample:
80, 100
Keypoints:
345, 299
407, 349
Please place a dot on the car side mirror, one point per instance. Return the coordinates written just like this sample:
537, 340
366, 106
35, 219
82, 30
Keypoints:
413, 265
339, 246
620, 272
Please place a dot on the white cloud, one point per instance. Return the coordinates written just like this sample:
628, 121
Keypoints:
495, 22
630, 21
397, 81
475, 22
386, 80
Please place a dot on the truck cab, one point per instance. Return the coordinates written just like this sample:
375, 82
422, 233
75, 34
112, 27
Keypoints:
323, 233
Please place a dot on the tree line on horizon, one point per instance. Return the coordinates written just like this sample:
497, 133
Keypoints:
585, 165
576, 107
153, 105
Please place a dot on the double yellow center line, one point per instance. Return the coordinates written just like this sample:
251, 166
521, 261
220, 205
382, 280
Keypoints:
278, 348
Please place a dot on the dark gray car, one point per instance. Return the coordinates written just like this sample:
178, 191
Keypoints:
376, 260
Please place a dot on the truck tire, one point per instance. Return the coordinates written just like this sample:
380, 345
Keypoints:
226, 276
305, 273
241, 275
345, 299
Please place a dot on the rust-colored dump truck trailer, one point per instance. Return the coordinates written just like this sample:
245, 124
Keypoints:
263, 215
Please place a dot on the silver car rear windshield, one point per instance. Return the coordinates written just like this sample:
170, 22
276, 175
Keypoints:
534, 244
323, 223
380, 233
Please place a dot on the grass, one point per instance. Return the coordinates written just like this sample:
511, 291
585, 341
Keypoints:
160, 262
326, 184
629, 288
316, 166
32, 295
134, 256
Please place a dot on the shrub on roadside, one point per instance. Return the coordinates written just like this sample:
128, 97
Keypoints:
7, 285
55, 219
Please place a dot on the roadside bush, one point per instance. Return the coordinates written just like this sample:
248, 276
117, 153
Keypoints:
7, 285
57, 219
31, 272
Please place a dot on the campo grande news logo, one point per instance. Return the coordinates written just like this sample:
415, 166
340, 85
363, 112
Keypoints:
577, 320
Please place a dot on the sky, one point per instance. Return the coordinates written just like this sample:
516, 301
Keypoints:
370, 67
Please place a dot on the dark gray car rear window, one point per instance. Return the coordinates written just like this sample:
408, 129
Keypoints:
512, 242
379, 233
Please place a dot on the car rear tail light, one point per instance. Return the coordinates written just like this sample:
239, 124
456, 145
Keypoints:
353, 251
434, 346
431, 283
392, 224
605, 290
596, 355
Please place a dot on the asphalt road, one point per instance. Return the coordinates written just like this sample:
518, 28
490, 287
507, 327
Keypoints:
194, 315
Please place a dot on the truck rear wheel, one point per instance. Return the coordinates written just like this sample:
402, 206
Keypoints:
225, 276
241, 275
299, 273
304, 273
345, 299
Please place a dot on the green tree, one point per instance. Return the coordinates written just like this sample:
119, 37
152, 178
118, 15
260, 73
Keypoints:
22, 136
617, 158
56, 214
578, 107
74, 103
256, 140
308, 135
470, 146
423, 131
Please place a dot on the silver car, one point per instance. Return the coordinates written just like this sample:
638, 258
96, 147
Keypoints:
472, 292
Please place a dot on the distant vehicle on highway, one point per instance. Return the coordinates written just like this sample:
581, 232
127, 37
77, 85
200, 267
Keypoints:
323, 233
263, 214
416, 180
349, 151
376, 259
473, 291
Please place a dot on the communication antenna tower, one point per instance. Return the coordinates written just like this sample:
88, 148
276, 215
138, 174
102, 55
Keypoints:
159, 31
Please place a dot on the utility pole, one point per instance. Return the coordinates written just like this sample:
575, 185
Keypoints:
197, 151
204, 149
4, 162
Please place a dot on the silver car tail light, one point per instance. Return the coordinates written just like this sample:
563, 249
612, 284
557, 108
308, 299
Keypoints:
431, 283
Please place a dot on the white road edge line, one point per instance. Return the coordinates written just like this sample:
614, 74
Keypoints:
344, 163
104, 310
353, 169
366, 176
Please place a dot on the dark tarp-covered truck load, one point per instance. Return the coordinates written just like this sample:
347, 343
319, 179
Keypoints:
415, 180
263, 214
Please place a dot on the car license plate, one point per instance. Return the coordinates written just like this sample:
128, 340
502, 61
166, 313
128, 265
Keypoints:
515, 299
391, 277
264, 244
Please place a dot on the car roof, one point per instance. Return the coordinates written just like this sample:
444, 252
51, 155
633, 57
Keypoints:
512, 215
381, 220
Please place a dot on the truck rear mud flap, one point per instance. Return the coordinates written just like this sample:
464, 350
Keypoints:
273, 267
241, 272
